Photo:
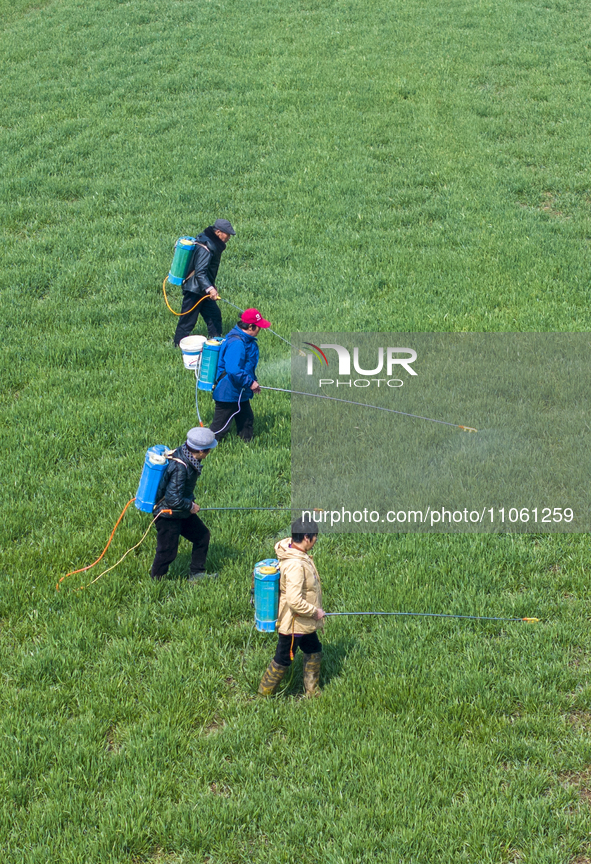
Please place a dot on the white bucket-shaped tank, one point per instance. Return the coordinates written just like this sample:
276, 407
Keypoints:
192, 346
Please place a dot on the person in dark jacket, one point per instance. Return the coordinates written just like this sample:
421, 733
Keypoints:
175, 510
201, 282
236, 381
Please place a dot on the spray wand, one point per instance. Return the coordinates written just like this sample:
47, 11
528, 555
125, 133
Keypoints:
365, 405
437, 615
286, 509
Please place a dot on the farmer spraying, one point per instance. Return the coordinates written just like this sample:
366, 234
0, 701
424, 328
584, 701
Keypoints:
300, 610
175, 507
236, 381
201, 282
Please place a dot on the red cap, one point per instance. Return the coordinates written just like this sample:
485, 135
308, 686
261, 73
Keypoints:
253, 316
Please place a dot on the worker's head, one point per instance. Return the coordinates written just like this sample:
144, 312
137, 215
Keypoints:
223, 229
251, 321
200, 442
304, 534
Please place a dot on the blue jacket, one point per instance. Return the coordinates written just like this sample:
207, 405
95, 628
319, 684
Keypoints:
237, 365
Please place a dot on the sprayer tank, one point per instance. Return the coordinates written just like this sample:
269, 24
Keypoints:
155, 464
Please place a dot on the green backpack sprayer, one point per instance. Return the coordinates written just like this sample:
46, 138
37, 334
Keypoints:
184, 250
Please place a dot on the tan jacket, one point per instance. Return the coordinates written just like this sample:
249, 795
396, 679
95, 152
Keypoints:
300, 594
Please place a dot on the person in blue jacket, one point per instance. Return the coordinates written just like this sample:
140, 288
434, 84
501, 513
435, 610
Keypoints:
236, 381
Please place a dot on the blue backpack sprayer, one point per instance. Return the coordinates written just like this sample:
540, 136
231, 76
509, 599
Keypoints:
155, 464
206, 369
266, 578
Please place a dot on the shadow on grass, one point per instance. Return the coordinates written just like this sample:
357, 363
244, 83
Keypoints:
264, 424
334, 655
219, 555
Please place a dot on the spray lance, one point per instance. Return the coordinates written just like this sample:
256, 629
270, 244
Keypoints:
266, 578
206, 369
365, 405
436, 615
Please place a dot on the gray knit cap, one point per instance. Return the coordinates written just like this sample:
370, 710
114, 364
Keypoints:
200, 438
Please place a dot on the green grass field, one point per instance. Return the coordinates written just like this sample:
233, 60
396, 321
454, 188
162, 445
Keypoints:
388, 167
527, 394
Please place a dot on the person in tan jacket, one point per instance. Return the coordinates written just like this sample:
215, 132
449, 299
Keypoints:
300, 610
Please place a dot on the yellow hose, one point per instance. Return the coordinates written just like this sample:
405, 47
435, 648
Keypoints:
180, 314
108, 570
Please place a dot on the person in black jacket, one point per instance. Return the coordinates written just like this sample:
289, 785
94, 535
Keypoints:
201, 282
175, 511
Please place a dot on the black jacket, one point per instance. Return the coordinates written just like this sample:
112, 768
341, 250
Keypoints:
176, 487
205, 263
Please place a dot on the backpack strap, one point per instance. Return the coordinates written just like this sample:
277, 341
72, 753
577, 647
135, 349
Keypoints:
170, 459
224, 373
192, 273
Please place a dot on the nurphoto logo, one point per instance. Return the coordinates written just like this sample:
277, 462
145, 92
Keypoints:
389, 355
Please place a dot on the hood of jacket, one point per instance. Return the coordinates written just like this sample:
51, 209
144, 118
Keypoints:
211, 239
284, 550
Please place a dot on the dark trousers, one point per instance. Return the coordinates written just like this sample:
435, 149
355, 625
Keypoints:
209, 311
244, 418
309, 643
167, 544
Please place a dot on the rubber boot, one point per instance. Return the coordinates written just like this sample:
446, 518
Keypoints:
272, 678
312, 673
